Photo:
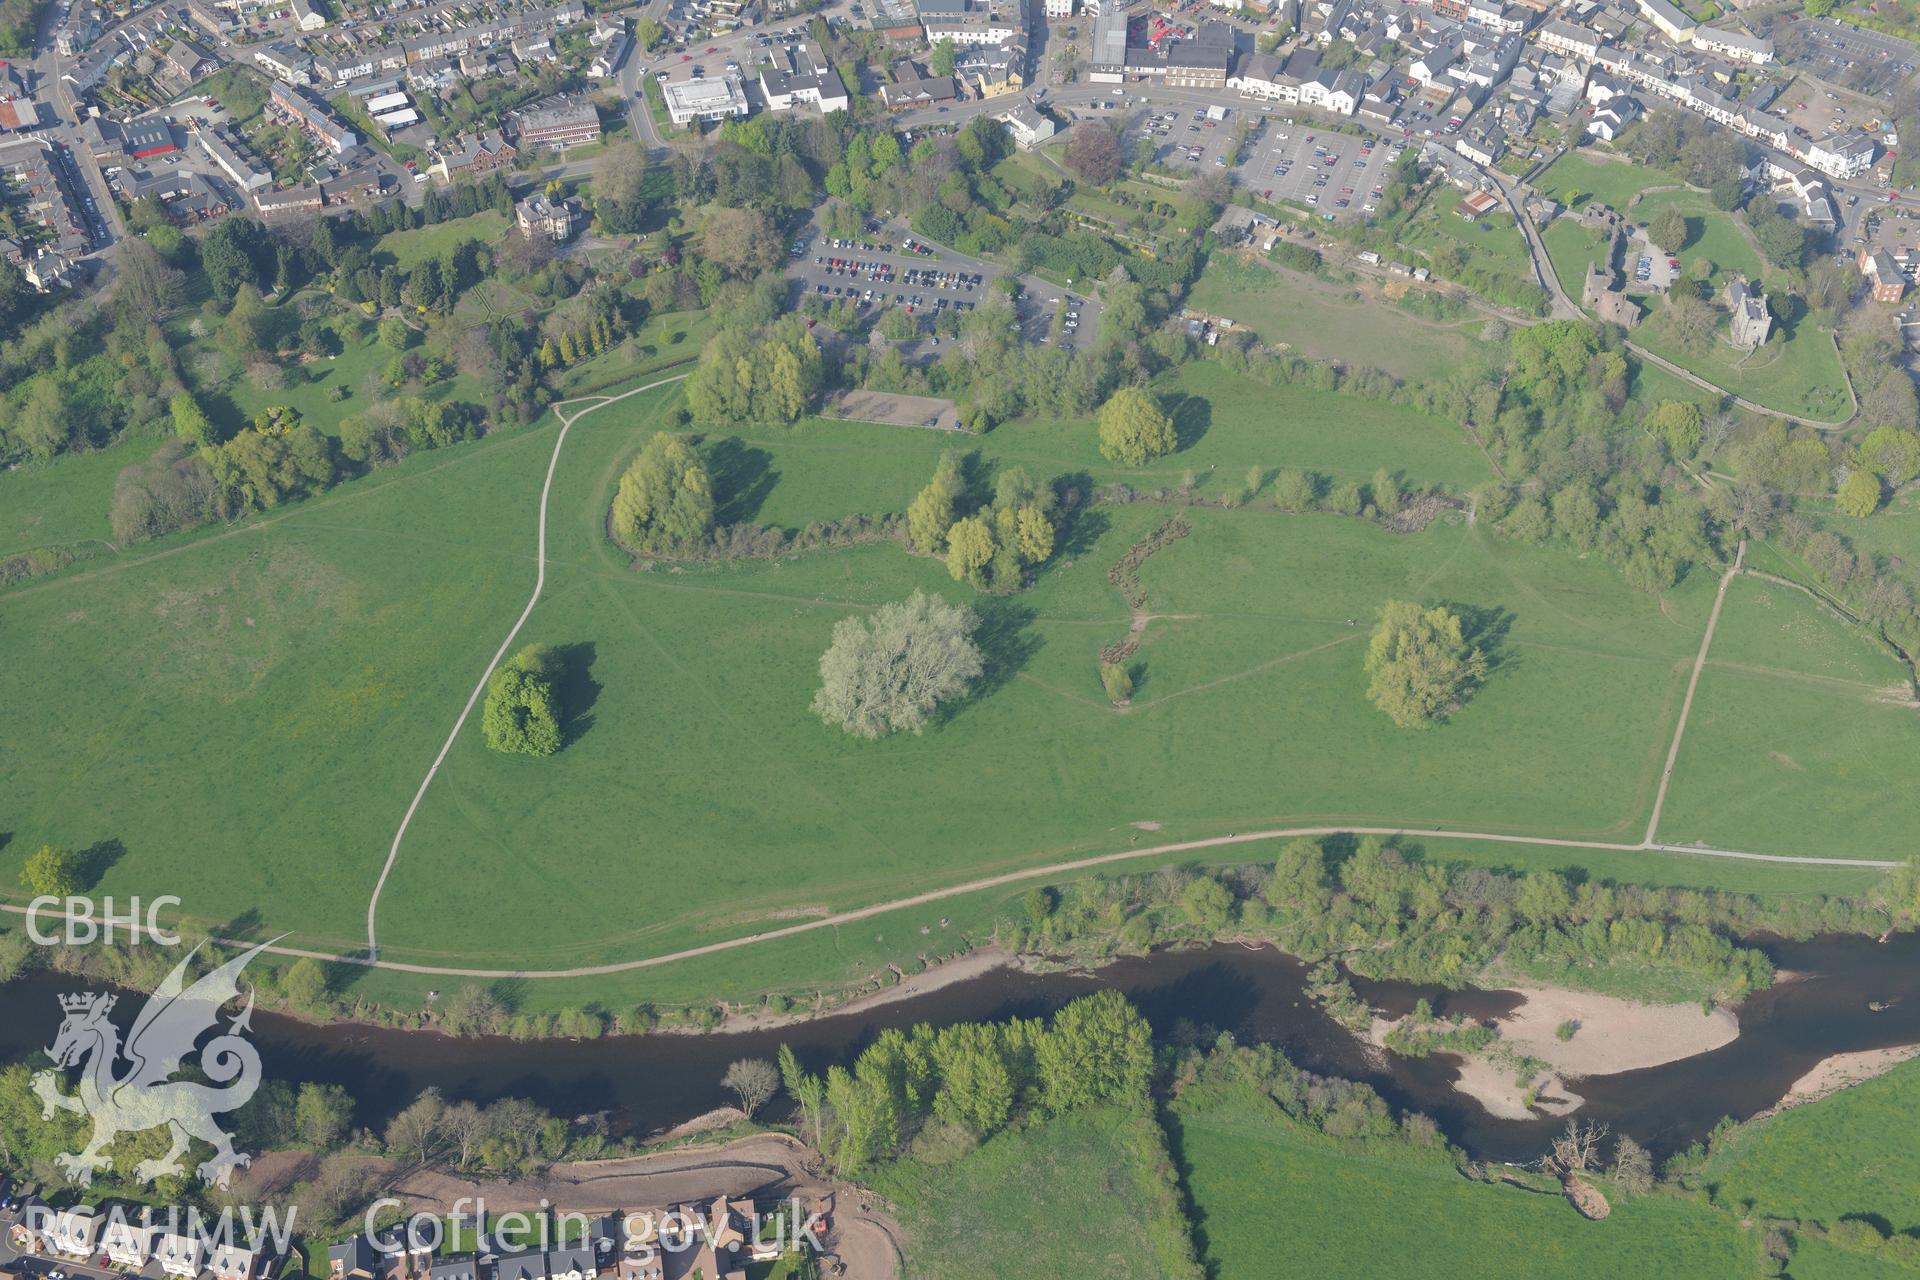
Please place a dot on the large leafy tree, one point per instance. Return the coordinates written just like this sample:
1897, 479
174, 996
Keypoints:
665, 499
1419, 664
522, 712
888, 673
1133, 429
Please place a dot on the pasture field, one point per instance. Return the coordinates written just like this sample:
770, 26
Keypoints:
318, 656
1265, 1190
1848, 1154
1794, 742
248, 710
702, 752
67, 499
1082, 1194
1326, 321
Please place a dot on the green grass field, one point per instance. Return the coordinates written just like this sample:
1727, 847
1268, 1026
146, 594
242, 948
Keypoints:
295, 676
1270, 1197
409, 248
1076, 1196
1847, 1154
1580, 177
1794, 742
1799, 375
1325, 321
65, 500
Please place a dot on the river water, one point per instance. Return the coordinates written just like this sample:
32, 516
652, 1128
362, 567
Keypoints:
651, 1082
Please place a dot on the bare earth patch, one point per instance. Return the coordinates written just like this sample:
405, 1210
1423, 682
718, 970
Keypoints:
894, 410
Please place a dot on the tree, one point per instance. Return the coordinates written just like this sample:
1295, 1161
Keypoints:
321, 1114
1859, 495
931, 513
619, 176
395, 334
415, 1133
1632, 1167
1133, 429
970, 549
1419, 663
665, 499
146, 286
1577, 1149
189, 421
943, 57
1678, 423
1117, 681
888, 673
804, 1089
740, 241
52, 872
305, 983
522, 712
1668, 229
1098, 1049
753, 1081
1093, 152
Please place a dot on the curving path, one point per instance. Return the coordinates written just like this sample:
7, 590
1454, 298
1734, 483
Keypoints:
539, 582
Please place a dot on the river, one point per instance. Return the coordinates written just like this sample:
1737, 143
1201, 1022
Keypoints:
651, 1082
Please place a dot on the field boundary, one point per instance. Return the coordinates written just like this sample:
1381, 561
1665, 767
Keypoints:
539, 583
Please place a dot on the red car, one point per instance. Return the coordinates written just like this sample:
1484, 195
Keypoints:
713, 48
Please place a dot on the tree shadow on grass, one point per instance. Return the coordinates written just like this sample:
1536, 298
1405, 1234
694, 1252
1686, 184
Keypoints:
1486, 629
1006, 646
578, 690
1080, 524
97, 859
742, 477
1191, 415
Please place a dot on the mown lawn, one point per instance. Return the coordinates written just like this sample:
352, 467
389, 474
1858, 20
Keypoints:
1271, 1198
1848, 1154
1800, 374
1080, 1195
409, 248
1576, 179
1793, 744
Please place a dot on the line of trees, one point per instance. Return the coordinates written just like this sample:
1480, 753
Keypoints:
966, 1082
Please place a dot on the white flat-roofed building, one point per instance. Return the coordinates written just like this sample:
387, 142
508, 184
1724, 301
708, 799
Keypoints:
704, 99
